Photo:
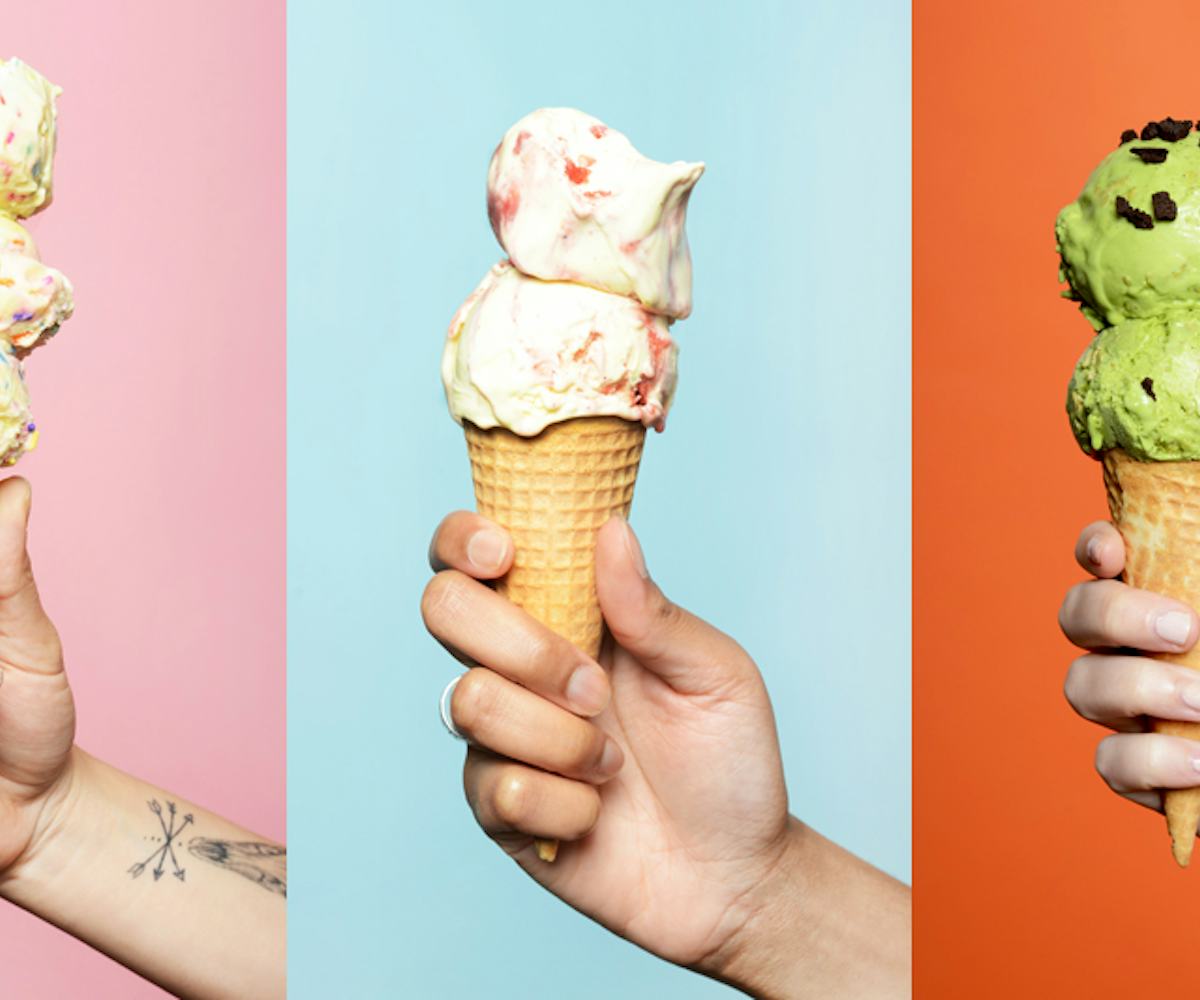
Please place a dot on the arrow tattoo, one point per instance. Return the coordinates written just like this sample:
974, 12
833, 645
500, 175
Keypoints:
171, 834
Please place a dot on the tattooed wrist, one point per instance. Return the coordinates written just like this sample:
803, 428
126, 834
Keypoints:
262, 863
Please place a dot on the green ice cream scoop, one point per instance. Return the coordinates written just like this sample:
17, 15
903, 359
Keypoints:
1137, 388
1130, 243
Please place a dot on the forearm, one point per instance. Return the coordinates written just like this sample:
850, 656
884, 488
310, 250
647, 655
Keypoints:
175, 893
828, 926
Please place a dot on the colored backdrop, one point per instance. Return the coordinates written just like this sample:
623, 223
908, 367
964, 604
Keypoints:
158, 521
776, 503
1031, 878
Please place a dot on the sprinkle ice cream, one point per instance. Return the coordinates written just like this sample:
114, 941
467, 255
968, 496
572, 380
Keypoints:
34, 298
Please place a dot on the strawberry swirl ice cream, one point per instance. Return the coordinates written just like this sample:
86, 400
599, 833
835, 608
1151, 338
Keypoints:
570, 199
576, 322
524, 354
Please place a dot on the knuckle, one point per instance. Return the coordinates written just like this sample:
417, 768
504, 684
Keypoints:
1156, 759
513, 799
443, 599
1076, 680
1068, 611
668, 614
1141, 684
665, 618
1106, 752
472, 784
473, 706
538, 648
1110, 614
545, 653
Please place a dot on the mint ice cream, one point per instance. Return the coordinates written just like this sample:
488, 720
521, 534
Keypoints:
1130, 243
1137, 388
1130, 250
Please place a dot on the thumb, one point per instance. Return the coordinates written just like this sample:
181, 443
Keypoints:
690, 655
28, 639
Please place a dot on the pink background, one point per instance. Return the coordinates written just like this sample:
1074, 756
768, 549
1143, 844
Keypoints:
158, 521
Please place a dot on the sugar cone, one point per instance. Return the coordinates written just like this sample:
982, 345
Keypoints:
1156, 507
553, 492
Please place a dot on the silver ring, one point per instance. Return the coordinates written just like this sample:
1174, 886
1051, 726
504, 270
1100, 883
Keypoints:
444, 709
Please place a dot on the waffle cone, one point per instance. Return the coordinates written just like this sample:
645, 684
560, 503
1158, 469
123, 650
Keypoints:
1156, 507
552, 493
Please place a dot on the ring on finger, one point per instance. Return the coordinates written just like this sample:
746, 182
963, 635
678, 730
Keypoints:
444, 709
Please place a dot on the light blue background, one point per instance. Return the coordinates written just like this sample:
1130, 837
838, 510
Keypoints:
776, 504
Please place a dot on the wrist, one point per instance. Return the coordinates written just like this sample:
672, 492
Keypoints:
751, 958
53, 814
821, 923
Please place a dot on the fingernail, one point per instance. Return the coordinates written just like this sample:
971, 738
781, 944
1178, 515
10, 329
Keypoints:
587, 690
1093, 550
1190, 694
486, 549
611, 759
1173, 627
1196, 763
635, 552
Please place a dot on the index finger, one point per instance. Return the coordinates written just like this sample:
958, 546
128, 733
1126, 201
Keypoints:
472, 544
1101, 550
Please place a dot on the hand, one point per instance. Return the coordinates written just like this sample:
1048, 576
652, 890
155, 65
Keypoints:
37, 712
1123, 691
661, 774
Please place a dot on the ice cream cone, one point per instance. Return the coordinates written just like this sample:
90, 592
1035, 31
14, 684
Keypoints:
552, 493
1156, 507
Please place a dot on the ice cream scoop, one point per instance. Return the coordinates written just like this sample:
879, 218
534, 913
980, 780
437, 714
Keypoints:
15, 238
34, 298
523, 353
570, 199
1130, 243
18, 433
1136, 388
27, 138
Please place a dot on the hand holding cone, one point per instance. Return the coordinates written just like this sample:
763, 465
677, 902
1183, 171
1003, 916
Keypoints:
553, 493
562, 356
1129, 251
1156, 507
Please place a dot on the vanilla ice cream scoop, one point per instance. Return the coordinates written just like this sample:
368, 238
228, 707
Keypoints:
522, 353
34, 298
27, 137
570, 199
18, 433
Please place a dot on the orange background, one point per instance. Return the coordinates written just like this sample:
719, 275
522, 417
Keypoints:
1031, 878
